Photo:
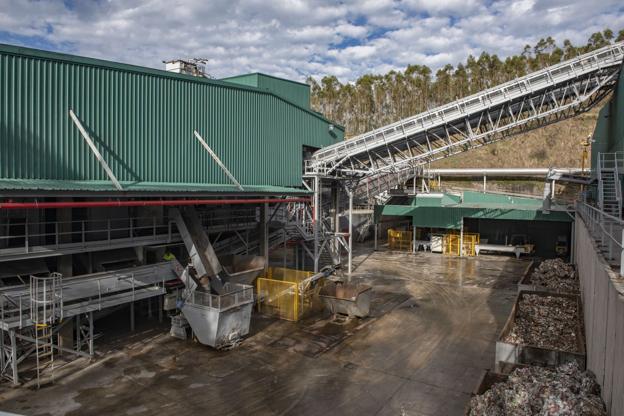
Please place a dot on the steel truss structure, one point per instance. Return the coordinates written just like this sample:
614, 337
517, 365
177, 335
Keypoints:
386, 157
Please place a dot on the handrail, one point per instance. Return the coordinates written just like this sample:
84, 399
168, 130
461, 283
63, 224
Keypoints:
606, 229
618, 188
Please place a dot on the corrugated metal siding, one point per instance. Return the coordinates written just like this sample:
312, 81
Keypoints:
251, 80
142, 123
292, 91
609, 131
471, 197
448, 217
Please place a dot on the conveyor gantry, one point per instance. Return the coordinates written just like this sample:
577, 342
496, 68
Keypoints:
382, 158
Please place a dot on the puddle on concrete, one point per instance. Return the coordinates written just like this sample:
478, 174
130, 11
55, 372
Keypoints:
136, 410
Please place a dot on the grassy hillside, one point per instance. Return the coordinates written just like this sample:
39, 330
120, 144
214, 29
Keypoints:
557, 145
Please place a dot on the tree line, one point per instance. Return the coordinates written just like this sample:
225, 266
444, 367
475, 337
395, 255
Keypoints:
375, 100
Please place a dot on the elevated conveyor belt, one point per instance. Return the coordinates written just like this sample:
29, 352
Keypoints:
385, 157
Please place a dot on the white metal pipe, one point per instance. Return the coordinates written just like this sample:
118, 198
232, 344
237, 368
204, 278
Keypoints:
461, 239
317, 201
499, 171
350, 231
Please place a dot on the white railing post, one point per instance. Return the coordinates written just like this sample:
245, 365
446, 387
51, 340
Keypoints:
610, 241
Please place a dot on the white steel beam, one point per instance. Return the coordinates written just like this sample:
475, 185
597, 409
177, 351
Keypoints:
216, 159
95, 151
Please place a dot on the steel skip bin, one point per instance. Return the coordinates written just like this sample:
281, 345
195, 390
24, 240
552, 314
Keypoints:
220, 320
514, 353
347, 299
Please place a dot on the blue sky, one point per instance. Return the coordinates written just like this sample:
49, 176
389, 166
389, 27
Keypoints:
295, 38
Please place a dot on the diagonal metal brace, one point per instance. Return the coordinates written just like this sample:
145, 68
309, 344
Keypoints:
216, 159
95, 151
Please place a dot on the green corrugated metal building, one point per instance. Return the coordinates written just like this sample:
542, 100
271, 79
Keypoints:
609, 132
142, 121
293, 91
496, 217
444, 210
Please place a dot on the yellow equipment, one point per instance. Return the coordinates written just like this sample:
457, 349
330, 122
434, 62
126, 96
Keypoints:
451, 244
284, 293
400, 240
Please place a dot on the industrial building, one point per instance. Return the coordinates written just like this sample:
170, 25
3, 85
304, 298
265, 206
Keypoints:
173, 243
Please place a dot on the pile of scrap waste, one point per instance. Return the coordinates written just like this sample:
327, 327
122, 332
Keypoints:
557, 275
546, 322
564, 390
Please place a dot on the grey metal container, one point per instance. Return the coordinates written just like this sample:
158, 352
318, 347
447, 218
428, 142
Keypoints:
242, 269
347, 299
510, 353
526, 285
220, 320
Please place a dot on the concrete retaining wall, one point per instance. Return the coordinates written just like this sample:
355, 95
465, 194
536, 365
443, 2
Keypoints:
602, 292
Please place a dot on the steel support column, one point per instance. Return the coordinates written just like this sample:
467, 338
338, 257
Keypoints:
13, 357
91, 333
350, 268
316, 215
376, 232
132, 316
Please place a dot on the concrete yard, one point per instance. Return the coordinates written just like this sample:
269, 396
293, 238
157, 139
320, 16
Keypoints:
431, 334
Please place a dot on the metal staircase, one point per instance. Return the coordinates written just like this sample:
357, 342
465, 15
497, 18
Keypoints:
609, 184
389, 155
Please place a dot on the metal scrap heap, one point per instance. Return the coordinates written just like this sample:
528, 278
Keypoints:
542, 391
545, 322
557, 275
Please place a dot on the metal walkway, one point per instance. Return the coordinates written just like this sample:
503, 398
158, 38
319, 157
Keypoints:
22, 335
400, 149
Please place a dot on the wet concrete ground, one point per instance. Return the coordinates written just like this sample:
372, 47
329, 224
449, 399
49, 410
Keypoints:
432, 332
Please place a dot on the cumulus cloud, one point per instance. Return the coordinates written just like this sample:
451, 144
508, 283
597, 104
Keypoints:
298, 38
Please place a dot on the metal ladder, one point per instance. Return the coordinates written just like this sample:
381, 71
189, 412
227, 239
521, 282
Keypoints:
44, 351
46, 310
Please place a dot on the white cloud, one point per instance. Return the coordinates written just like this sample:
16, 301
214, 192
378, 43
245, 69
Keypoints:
297, 38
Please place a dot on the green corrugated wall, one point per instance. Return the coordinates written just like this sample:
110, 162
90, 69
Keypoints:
142, 121
450, 217
609, 131
293, 91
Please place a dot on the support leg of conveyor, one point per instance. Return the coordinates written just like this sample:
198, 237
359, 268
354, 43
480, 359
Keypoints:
91, 333
132, 316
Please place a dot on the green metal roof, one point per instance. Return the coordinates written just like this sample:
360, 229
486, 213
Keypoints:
296, 92
424, 213
10, 185
142, 122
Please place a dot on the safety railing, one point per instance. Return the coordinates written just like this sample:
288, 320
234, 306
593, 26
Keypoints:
95, 294
236, 294
618, 187
27, 234
400, 240
607, 230
611, 160
214, 218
